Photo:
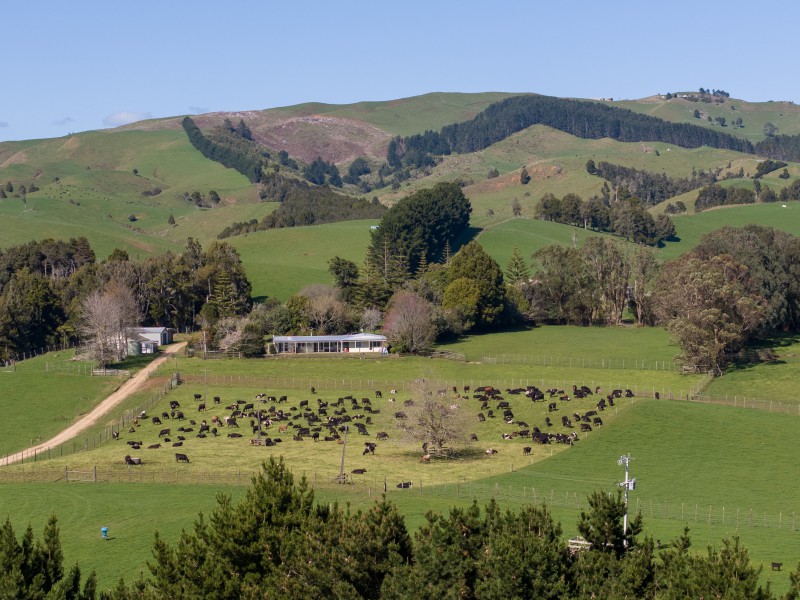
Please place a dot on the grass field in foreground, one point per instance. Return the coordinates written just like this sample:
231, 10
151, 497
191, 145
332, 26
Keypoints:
685, 456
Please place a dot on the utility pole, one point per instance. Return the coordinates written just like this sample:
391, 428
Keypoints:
629, 484
205, 383
342, 477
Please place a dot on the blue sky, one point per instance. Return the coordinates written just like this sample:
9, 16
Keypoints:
76, 66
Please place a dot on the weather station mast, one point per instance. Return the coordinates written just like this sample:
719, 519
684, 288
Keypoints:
628, 485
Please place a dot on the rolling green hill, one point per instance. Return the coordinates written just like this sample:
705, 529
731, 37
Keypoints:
87, 185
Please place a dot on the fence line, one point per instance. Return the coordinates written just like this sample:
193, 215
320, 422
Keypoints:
77, 367
322, 384
669, 509
10, 361
776, 406
581, 363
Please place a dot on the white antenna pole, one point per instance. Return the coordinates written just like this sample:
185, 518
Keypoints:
628, 484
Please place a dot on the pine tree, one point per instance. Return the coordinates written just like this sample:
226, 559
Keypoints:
517, 270
524, 177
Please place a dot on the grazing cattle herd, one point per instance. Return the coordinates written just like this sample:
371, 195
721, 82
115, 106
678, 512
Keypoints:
330, 421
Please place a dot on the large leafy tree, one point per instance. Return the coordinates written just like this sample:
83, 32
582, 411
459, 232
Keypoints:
712, 311
420, 225
472, 262
30, 313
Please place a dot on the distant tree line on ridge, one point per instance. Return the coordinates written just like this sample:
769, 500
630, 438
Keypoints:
584, 119
650, 188
625, 215
716, 195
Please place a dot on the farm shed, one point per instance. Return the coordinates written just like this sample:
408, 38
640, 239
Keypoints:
160, 335
354, 342
138, 344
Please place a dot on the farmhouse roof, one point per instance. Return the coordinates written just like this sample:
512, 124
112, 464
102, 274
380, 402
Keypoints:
351, 337
149, 329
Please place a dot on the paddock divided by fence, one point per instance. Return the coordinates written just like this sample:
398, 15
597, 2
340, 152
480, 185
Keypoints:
327, 384
581, 362
685, 511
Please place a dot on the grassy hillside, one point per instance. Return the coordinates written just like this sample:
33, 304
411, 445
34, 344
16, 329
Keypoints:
407, 116
88, 187
784, 115
280, 262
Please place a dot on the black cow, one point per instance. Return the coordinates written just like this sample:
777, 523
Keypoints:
198, 396
181, 457
358, 471
382, 435
404, 485
552, 407
481, 417
156, 421
201, 406
132, 461
369, 448
163, 432
586, 427
473, 437
526, 450
174, 404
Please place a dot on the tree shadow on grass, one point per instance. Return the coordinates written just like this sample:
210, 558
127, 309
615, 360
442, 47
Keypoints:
472, 452
764, 351
469, 234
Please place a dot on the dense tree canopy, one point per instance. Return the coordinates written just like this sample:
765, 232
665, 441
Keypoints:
419, 227
471, 263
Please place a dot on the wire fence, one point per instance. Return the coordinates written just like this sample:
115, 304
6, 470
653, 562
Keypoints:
328, 384
99, 437
10, 360
582, 363
74, 367
773, 406
363, 487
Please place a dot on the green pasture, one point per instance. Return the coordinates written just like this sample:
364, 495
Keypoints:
280, 262
37, 404
618, 347
690, 228
773, 380
41, 396
695, 465
689, 457
530, 235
